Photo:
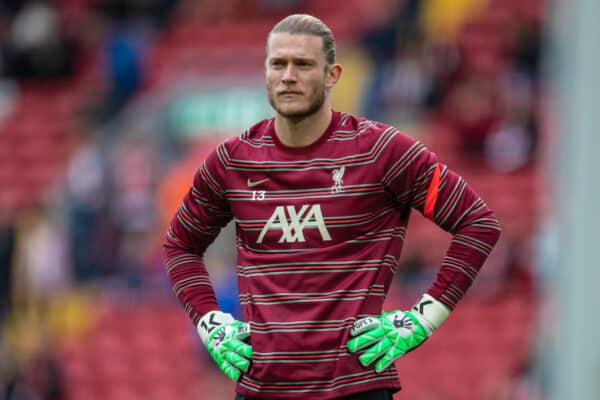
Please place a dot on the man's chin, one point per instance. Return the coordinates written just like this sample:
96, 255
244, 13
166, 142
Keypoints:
296, 113
293, 113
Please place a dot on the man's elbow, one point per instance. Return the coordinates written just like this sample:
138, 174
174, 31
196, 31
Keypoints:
494, 228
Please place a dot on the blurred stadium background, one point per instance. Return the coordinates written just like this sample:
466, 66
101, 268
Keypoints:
107, 107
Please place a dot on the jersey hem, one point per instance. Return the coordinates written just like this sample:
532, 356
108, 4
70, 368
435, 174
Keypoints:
392, 384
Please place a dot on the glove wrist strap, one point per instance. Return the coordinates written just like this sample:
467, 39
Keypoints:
433, 311
211, 321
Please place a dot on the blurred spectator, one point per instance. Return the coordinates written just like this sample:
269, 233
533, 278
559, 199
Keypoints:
471, 109
510, 145
122, 58
384, 27
133, 181
493, 117
407, 87
133, 177
42, 265
128, 29
513, 143
36, 45
488, 96
85, 195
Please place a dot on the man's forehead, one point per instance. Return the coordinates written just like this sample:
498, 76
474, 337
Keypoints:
296, 44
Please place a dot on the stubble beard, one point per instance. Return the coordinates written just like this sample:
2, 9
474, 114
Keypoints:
315, 103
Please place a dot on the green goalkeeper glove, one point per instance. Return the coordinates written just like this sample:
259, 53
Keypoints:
223, 337
393, 334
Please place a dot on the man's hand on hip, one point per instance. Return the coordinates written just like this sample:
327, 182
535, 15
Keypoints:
388, 337
223, 337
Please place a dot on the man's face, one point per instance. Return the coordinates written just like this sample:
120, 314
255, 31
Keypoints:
298, 77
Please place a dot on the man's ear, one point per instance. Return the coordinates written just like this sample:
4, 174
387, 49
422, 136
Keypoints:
334, 72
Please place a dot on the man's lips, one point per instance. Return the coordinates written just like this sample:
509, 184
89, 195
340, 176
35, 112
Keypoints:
289, 93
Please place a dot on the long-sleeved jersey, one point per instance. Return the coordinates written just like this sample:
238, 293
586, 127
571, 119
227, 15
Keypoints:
320, 231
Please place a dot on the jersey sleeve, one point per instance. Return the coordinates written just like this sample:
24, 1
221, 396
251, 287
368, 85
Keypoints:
418, 180
197, 222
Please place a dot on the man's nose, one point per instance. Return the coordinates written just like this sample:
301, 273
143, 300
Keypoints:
289, 75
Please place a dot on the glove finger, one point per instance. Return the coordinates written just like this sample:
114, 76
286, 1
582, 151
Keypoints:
375, 352
239, 347
388, 358
236, 360
363, 325
366, 339
217, 358
229, 370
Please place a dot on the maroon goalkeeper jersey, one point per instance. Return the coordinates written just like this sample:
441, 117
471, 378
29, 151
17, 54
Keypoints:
320, 230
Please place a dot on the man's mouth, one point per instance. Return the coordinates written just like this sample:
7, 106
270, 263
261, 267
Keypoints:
290, 93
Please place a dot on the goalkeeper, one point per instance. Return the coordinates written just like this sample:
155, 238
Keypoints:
321, 200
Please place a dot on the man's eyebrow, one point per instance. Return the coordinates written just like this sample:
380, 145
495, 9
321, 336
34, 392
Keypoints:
299, 59
292, 58
304, 59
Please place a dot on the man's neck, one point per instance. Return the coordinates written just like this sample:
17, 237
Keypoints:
303, 132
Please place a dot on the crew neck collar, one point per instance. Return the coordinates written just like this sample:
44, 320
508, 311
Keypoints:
309, 148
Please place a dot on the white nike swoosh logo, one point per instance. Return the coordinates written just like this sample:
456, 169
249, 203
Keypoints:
255, 183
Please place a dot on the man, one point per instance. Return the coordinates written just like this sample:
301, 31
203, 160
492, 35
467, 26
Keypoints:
321, 201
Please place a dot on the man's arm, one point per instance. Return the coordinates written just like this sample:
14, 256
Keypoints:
446, 198
195, 225
419, 181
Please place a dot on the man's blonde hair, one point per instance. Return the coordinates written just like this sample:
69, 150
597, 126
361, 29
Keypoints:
305, 24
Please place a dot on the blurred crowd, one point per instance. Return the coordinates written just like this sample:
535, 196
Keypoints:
470, 68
